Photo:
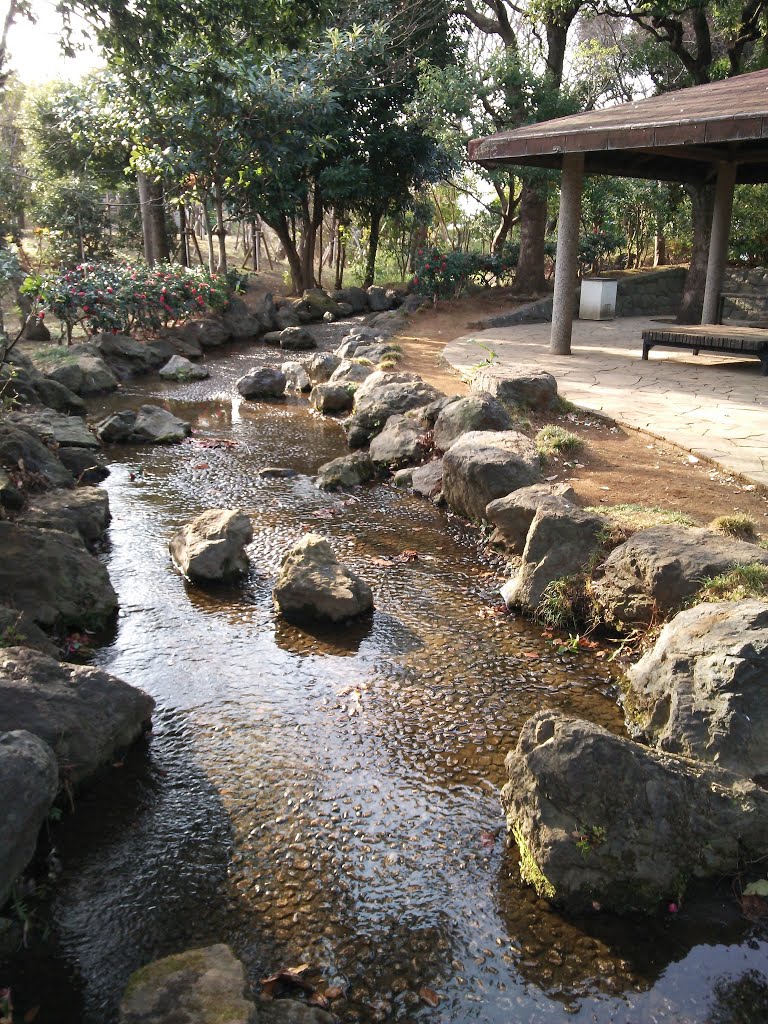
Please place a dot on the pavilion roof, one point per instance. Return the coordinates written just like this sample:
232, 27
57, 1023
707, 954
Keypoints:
678, 136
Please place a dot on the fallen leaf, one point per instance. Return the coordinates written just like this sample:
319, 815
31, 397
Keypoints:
334, 992
529, 654
408, 555
324, 513
385, 563
317, 999
289, 976
430, 997
488, 839
202, 465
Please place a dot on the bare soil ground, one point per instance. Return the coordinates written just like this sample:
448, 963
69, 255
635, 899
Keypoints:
617, 465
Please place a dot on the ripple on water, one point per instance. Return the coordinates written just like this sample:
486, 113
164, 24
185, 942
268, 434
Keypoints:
331, 796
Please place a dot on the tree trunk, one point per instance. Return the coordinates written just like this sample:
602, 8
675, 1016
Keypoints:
221, 230
208, 234
702, 206
153, 226
184, 239
529, 277
295, 262
146, 227
256, 242
373, 248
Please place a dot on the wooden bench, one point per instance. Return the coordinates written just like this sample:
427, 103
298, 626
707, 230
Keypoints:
736, 341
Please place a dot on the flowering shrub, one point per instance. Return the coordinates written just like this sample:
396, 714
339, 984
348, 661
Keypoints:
125, 297
596, 247
446, 275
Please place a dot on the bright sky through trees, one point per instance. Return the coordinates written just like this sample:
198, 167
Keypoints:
36, 51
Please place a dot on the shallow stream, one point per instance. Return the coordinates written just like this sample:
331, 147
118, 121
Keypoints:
332, 799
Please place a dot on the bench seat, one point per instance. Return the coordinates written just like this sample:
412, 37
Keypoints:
738, 341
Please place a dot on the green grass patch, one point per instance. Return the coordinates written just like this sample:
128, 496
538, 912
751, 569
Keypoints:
738, 584
740, 526
554, 440
631, 517
389, 362
561, 602
52, 356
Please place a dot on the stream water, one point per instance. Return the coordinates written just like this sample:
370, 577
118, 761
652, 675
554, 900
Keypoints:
332, 798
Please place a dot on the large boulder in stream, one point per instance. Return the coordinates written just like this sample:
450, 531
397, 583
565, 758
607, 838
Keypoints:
327, 398
383, 395
346, 471
212, 545
400, 443
513, 514
86, 716
127, 357
55, 428
702, 691
52, 578
262, 382
208, 332
181, 369
657, 570
561, 543
150, 424
600, 820
313, 585
486, 464
205, 986
83, 511
29, 780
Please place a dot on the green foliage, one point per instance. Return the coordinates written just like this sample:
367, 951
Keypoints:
72, 209
561, 601
555, 440
530, 871
738, 584
122, 297
445, 275
589, 838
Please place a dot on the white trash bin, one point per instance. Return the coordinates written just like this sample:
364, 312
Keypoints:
598, 298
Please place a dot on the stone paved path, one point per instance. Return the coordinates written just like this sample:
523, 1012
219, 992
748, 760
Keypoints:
713, 406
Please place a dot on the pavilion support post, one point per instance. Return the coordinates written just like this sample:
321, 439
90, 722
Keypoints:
718, 240
566, 265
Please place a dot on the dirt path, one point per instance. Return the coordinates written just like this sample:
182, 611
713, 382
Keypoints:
617, 465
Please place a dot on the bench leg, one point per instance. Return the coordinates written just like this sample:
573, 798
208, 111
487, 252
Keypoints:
764, 364
647, 346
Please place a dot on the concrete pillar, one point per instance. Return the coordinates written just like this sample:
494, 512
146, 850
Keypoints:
718, 240
566, 265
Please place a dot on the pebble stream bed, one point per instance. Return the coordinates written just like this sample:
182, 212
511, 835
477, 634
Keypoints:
332, 798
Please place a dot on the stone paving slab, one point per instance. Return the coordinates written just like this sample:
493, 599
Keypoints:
713, 406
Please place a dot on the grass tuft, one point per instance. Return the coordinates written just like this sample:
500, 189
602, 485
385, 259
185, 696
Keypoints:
554, 440
631, 517
738, 584
740, 526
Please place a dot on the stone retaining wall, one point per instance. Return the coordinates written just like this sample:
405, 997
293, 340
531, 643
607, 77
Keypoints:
749, 280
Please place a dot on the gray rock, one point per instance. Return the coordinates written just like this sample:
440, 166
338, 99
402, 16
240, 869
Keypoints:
513, 514
356, 297
331, 398
314, 586
401, 442
272, 337
53, 579
483, 465
29, 780
125, 356
347, 471
320, 303
35, 329
381, 377
320, 367
428, 480
83, 371
296, 377
56, 428
403, 477
86, 509
286, 317
19, 447
277, 473
561, 542
388, 322
208, 332
199, 986
598, 818
18, 630
11, 497
241, 322
290, 1011
351, 371
85, 715
375, 353
656, 570
346, 310
475, 412
377, 299
429, 413
57, 396
262, 383
185, 346
86, 466
297, 338
533, 389
155, 425
212, 545
116, 428
374, 405
179, 368
701, 691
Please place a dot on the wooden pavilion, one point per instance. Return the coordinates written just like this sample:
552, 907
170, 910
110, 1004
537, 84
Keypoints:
707, 133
